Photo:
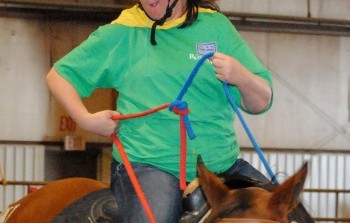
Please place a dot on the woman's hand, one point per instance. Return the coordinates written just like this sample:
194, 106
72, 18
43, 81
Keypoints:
228, 69
256, 92
100, 123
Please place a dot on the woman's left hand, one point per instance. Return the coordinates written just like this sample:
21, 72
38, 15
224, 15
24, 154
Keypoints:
256, 92
228, 69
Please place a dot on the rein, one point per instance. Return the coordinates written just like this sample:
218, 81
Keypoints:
250, 135
180, 108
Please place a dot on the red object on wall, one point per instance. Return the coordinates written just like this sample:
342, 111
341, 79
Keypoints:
67, 124
32, 188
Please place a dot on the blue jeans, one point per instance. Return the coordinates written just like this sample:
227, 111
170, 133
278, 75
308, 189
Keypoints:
242, 167
161, 190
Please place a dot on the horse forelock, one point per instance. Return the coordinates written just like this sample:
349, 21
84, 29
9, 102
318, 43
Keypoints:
249, 202
236, 204
242, 200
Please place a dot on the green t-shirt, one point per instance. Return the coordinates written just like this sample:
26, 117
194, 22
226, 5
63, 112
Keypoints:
120, 56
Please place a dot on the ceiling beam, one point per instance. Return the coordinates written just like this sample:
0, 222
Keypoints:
242, 21
289, 24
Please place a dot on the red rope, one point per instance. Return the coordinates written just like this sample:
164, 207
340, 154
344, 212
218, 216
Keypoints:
128, 167
122, 117
183, 146
134, 180
183, 150
127, 164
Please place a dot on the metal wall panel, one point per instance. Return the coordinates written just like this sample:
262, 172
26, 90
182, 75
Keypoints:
20, 163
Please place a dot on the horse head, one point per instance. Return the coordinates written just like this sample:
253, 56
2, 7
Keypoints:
250, 202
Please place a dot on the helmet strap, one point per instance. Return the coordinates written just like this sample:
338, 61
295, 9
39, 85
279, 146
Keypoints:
160, 21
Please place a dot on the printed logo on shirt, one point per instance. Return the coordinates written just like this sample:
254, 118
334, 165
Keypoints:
205, 48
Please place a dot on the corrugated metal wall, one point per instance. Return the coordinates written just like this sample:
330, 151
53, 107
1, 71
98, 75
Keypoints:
20, 163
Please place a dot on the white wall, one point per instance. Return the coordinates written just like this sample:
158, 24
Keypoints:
334, 9
311, 77
24, 59
28, 46
275, 7
331, 9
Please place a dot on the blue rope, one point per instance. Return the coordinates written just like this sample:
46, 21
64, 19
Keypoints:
183, 105
250, 135
192, 75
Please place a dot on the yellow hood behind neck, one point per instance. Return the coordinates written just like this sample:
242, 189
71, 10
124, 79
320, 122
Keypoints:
136, 17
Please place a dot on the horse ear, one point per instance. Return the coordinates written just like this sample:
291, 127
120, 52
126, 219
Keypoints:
287, 195
214, 189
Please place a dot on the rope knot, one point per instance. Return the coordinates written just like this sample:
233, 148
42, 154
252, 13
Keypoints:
179, 107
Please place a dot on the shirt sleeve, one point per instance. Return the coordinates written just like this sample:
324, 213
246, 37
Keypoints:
87, 66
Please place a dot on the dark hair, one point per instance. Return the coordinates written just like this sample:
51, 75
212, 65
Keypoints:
192, 9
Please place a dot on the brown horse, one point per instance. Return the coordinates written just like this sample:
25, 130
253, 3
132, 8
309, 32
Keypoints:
47, 202
251, 202
86, 200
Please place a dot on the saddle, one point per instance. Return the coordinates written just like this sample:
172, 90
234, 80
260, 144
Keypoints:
96, 207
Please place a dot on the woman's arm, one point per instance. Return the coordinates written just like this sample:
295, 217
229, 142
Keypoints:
100, 123
256, 92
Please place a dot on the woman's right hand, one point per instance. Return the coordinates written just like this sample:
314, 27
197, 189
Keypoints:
100, 123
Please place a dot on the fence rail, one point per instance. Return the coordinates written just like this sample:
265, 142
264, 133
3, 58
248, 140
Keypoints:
337, 193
